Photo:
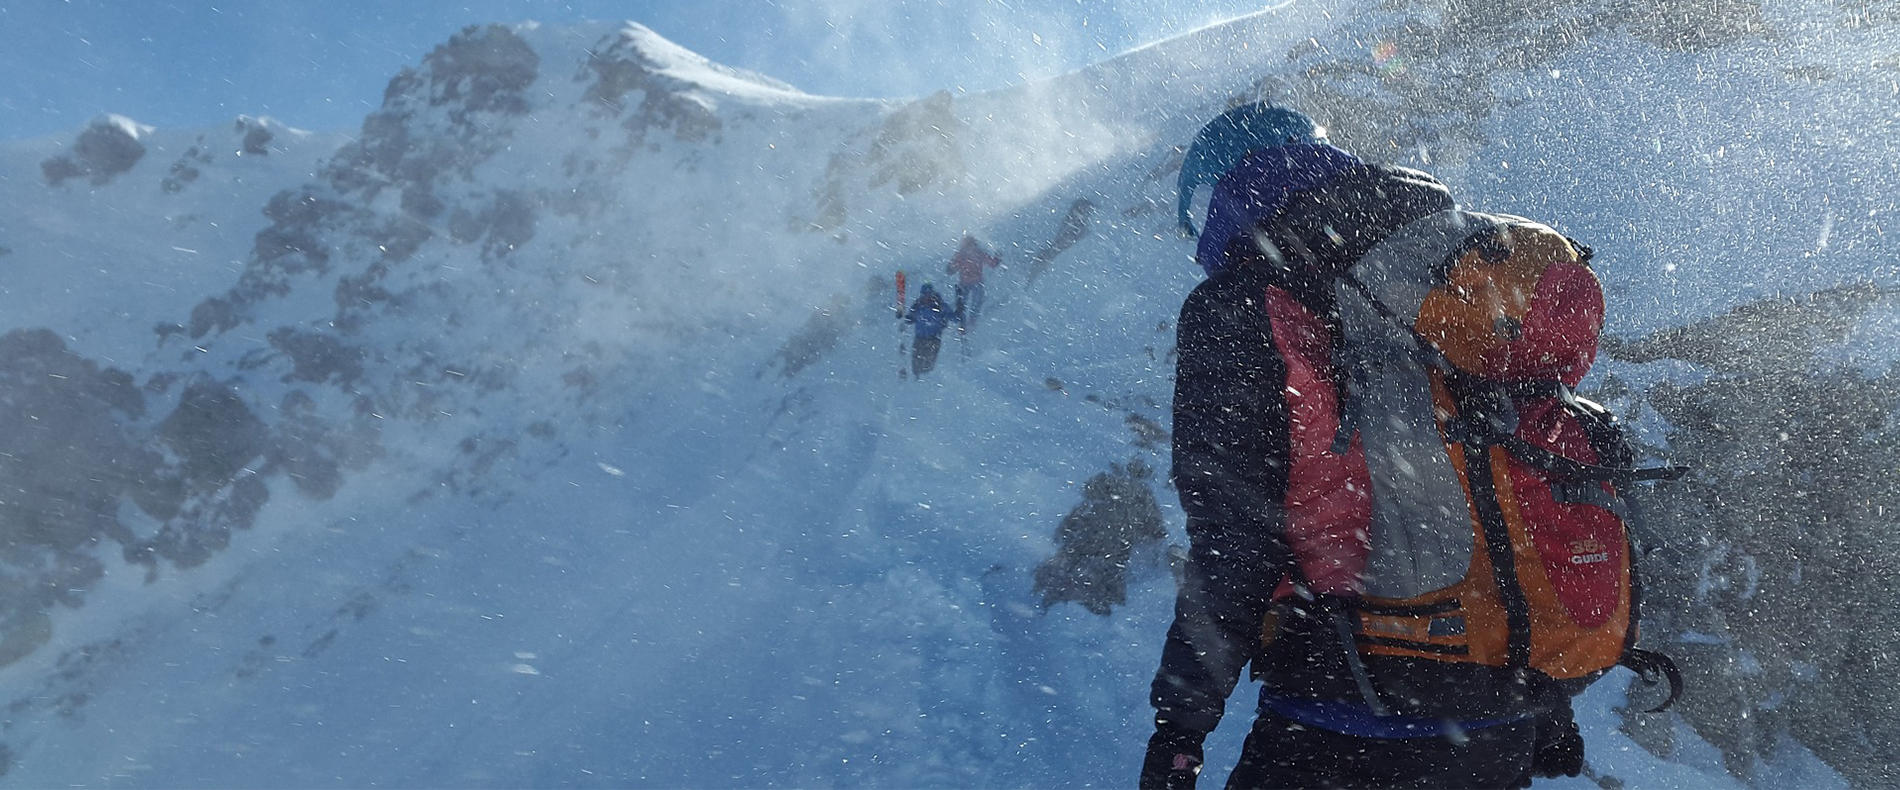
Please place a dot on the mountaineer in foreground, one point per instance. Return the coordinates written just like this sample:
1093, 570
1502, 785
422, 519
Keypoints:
1399, 512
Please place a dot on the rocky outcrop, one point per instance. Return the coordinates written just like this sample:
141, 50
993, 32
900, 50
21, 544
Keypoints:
249, 137
918, 146
626, 82
109, 146
1766, 557
820, 334
1095, 541
1074, 227
432, 122
1427, 81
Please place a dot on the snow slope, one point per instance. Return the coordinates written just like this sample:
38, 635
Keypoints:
555, 430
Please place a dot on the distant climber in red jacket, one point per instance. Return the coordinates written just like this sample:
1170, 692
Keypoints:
968, 265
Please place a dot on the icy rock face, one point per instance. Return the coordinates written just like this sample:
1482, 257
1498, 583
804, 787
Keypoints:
185, 170
619, 72
289, 377
108, 147
1771, 533
220, 427
76, 445
288, 247
1432, 85
482, 70
256, 136
435, 126
64, 461
424, 218
918, 146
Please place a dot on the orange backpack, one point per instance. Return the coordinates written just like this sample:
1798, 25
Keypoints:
1498, 567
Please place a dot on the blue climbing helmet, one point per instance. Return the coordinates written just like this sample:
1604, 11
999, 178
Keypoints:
1229, 138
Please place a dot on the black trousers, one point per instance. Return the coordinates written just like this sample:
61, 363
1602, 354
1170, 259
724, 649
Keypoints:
923, 354
1282, 753
969, 302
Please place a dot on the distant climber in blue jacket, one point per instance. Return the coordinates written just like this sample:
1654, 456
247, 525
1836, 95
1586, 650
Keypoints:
930, 315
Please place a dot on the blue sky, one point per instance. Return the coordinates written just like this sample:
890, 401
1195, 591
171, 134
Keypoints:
322, 64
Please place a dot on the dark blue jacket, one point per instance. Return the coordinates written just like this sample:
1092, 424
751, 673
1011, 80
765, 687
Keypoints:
929, 314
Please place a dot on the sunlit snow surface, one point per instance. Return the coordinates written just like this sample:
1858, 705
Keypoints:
686, 568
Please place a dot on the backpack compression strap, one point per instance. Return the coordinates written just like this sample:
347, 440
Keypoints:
1567, 468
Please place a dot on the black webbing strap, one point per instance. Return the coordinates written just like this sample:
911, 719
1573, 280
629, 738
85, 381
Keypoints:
1497, 545
1355, 665
1559, 465
1647, 664
1572, 469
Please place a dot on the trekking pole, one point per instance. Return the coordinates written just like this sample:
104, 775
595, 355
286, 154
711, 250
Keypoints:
963, 336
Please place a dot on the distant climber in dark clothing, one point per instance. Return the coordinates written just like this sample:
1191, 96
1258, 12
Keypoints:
929, 315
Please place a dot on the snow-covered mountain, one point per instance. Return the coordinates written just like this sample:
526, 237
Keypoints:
549, 430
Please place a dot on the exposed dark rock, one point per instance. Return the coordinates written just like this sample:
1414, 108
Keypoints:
293, 244
510, 221
820, 334
313, 453
317, 357
212, 432
214, 313
398, 237
421, 202
66, 460
1095, 541
256, 137
1074, 227
833, 211
108, 147
213, 482
185, 170
618, 68
918, 146
1765, 554
1772, 334
59, 168
506, 223
1425, 83
481, 71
